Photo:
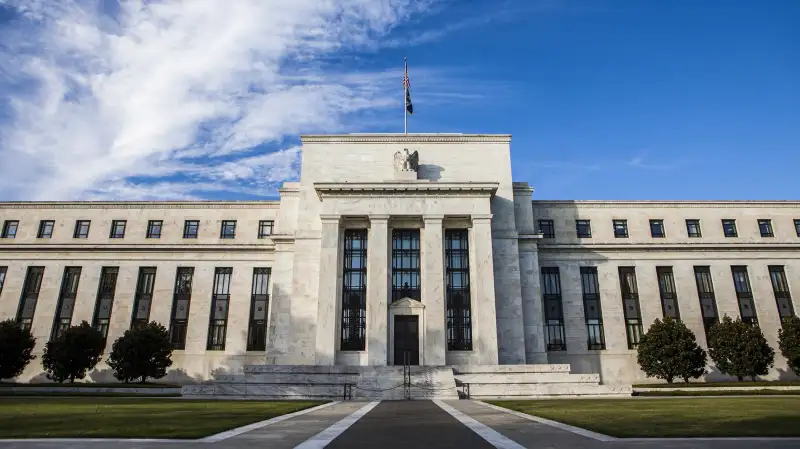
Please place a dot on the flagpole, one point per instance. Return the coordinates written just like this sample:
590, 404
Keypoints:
405, 95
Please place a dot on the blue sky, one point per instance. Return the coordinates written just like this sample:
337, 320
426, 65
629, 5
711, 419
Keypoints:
605, 99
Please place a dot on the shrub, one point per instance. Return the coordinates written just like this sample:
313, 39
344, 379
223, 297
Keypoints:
739, 349
70, 355
789, 342
16, 349
141, 352
669, 350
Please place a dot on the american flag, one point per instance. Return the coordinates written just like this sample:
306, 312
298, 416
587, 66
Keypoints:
407, 88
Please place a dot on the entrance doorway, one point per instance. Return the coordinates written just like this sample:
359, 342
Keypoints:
406, 339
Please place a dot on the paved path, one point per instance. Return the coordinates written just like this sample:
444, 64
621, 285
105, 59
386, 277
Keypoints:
412, 425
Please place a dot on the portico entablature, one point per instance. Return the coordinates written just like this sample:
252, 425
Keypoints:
406, 198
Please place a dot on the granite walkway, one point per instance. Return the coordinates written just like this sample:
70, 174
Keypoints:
412, 424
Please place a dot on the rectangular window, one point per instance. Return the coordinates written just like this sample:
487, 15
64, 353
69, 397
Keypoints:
621, 229
117, 229
765, 226
2, 278
228, 229
265, 228
354, 291
459, 304
669, 296
144, 296
555, 335
547, 228
66, 301
780, 286
10, 229
105, 299
30, 294
797, 227
729, 228
81, 229
191, 228
744, 295
657, 229
583, 228
630, 304
693, 228
45, 229
591, 308
220, 299
405, 264
181, 297
259, 311
154, 229
708, 301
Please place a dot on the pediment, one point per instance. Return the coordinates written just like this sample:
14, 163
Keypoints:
409, 303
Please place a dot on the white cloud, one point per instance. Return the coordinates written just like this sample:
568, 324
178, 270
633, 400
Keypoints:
168, 99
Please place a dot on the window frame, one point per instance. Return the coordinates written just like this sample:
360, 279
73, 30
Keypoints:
594, 331
33, 275
181, 295
145, 291
729, 229
458, 301
548, 231
227, 229
797, 226
660, 223
744, 293
40, 233
620, 228
106, 290
406, 264
667, 291
8, 225
264, 225
3, 274
631, 307
709, 294
77, 234
781, 290
555, 332
353, 319
151, 226
218, 327
587, 224
693, 222
118, 228
68, 293
188, 225
259, 294
770, 230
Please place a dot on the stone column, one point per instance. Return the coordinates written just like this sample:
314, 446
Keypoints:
483, 305
532, 308
433, 291
328, 290
377, 289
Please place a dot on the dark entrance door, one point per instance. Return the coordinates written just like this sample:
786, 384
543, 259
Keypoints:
406, 339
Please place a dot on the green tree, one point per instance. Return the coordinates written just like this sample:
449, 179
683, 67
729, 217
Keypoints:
16, 349
739, 349
142, 352
73, 353
669, 350
789, 342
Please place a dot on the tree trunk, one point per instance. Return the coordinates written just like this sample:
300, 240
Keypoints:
740, 378
669, 379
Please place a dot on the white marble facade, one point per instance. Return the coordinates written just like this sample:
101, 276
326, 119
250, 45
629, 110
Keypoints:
370, 182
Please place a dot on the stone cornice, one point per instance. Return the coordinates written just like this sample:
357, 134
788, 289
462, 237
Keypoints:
571, 247
17, 247
140, 205
410, 188
672, 204
406, 138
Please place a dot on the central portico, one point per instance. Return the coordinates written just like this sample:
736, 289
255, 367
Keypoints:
391, 246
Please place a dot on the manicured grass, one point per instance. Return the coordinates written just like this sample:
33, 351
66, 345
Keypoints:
89, 385
710, 392
764, 383
689, 417
132, 418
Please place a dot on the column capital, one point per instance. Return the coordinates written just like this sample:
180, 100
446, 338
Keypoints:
378, 217
330, 218
432, 218
481, 218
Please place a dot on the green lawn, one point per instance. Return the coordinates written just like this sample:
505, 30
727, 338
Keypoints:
687, 417
89, 385
761, 383
710, 392
132, 418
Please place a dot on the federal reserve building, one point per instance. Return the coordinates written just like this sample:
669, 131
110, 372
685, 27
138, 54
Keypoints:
400, 255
